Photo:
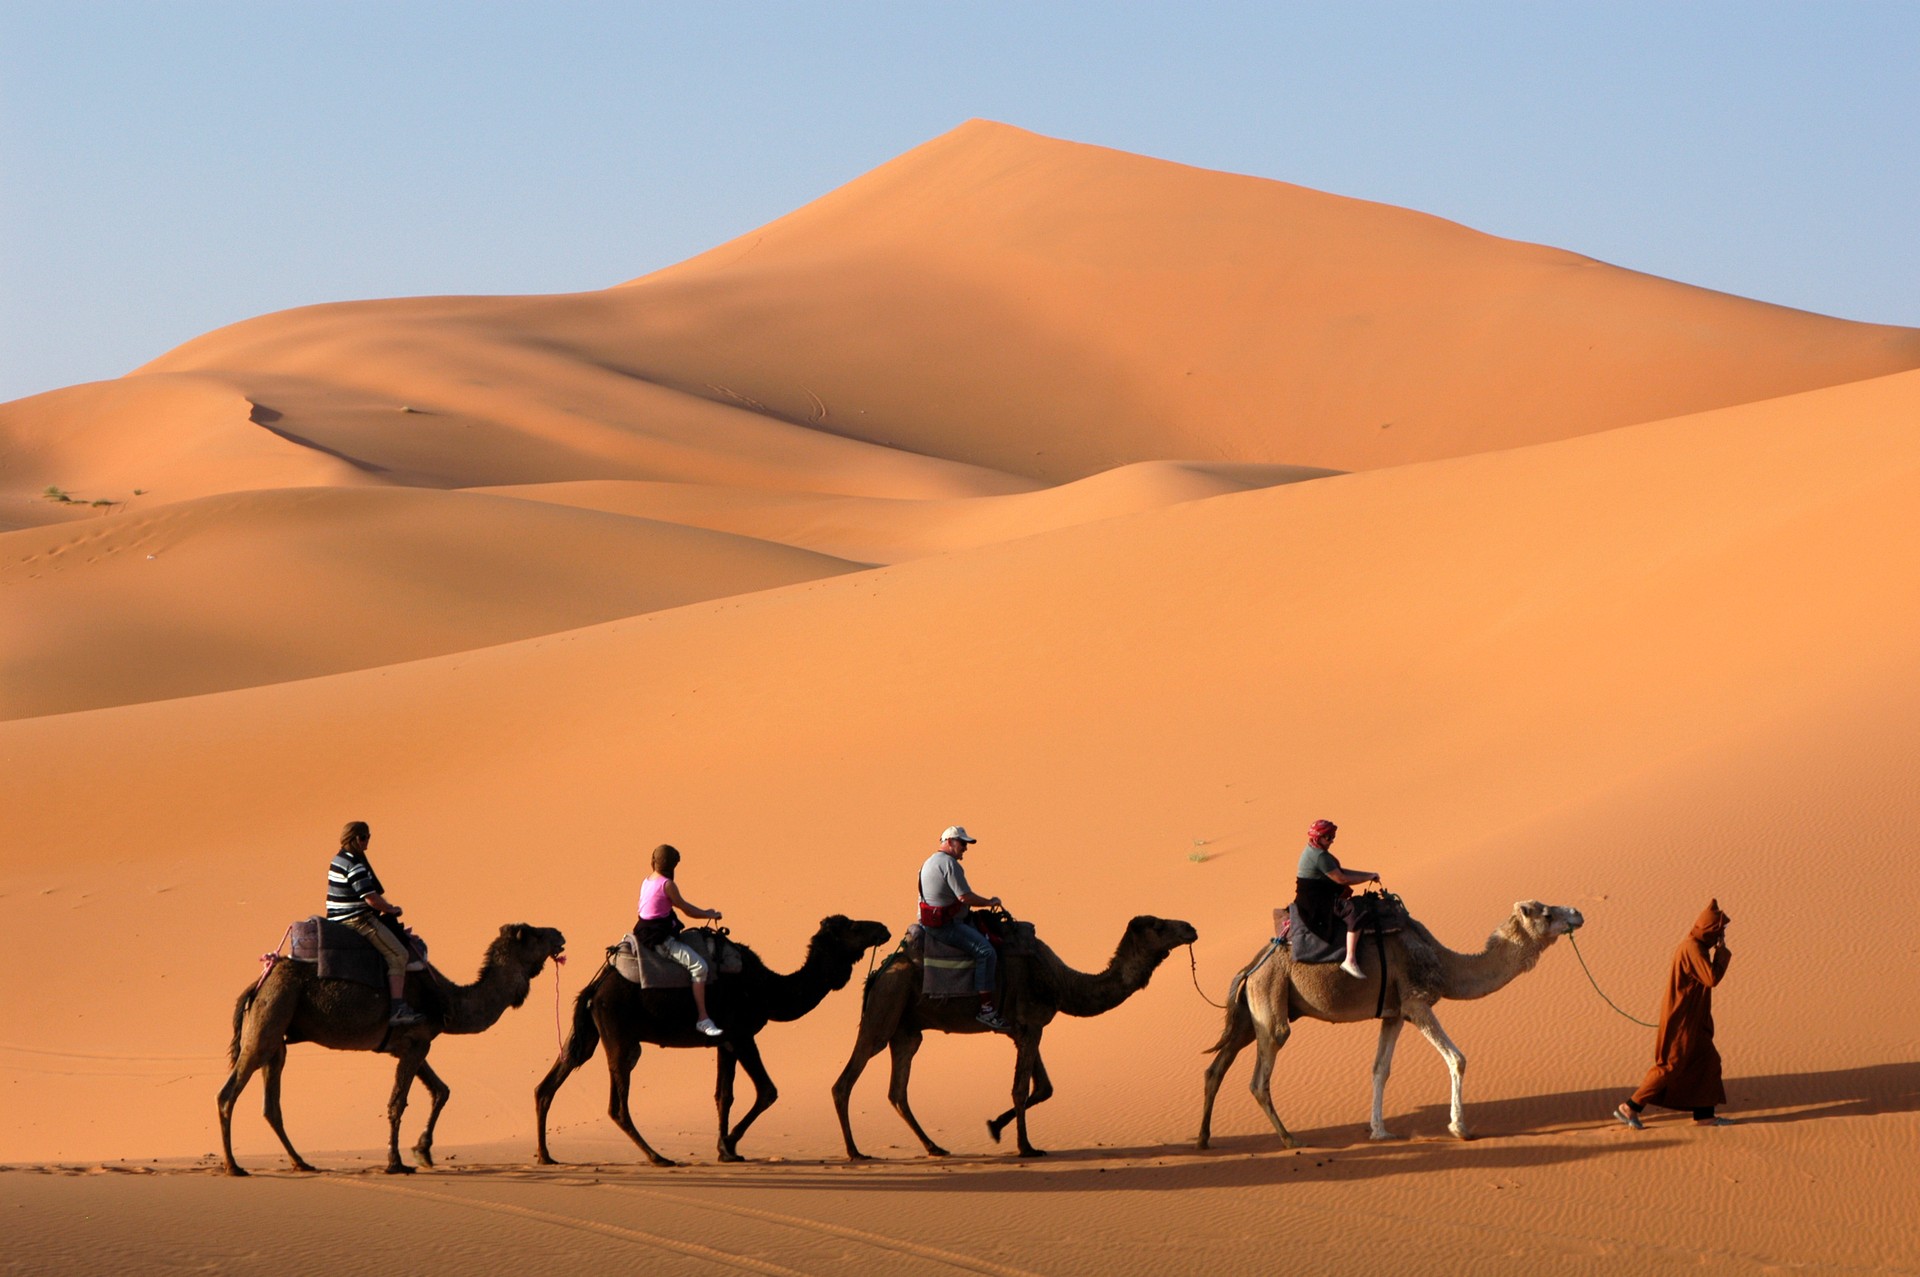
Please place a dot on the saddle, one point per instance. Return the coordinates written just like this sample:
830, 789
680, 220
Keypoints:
1379, 913
946, 970
341, 953
643, 965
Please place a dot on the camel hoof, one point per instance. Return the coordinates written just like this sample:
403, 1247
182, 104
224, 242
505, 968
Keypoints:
1287, 1141
1460, 1132
237, 1172
1385, 1136
399, 1168
543, 1160
728, 1155
853, 1156
934, 1150
994, 1129
308, 1167
1033, 1152
663, 1161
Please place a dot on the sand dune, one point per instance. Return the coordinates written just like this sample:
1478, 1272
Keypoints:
884, 530
1440, 684
1609, 608
260, 587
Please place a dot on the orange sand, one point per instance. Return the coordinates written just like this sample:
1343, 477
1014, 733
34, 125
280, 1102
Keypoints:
1610, 607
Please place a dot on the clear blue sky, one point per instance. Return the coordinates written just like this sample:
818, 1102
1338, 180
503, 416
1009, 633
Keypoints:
173, 166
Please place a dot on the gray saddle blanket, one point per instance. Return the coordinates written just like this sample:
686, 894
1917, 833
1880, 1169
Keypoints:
653, 970
1388, 917
342, 953
947, 971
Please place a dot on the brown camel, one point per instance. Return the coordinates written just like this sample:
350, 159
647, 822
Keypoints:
1035, 985
293, 1004
619, 1012
1273, 990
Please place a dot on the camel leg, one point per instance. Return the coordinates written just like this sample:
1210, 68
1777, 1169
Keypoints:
1382, 1069
403, 1074
620, 1065
243, 1069
864, 1049
543, 1100
902, 1049
764, 1094
725, 1062
1237, 1037
1267, 1041
440, 1091
1042, 1091
275, 1064
1429, 1025
1025, 1061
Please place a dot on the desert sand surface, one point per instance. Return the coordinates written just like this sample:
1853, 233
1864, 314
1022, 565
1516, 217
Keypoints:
1133, 541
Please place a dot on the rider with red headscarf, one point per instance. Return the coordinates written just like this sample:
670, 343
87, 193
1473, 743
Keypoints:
1323, 891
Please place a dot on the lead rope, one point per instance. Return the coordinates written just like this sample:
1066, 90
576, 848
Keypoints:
1596, 984
1193, 967
558, 960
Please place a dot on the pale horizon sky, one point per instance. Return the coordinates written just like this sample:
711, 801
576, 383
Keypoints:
170, 168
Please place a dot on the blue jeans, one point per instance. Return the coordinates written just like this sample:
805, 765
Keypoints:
985, 960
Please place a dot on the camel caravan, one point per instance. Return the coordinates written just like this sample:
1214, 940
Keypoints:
356, 979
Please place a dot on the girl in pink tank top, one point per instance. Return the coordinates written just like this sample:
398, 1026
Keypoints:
659, 897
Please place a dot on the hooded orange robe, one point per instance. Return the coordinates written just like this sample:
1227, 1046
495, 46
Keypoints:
1686, 1070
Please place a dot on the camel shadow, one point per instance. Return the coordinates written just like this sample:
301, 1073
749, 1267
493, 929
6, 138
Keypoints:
1756, 1101
1244, 1161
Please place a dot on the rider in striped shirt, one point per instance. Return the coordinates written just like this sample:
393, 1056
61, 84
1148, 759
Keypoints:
354, 898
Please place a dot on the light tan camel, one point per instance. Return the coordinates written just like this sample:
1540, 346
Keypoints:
293, 1004
1273, 990
1034, 986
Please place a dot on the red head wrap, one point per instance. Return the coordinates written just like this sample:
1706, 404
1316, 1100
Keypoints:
1321, 832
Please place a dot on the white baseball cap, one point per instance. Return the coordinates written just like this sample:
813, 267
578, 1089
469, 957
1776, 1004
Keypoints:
956, 831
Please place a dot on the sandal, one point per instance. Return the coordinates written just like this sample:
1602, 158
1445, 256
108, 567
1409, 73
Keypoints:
1627, 1117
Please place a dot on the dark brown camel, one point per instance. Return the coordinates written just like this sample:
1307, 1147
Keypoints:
1035, 985
293, 1004
614, 1010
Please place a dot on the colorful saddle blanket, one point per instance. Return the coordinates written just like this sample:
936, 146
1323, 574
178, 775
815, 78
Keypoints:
650, 969
341, 953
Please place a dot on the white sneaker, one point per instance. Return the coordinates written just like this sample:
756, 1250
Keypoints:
709, 1028
1352, 968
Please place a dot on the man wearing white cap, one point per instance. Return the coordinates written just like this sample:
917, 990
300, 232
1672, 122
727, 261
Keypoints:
944, 899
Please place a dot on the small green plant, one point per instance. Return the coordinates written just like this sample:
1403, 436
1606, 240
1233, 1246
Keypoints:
57, 495
1197, 856
139, 492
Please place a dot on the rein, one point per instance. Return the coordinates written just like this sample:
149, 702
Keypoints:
1193, 967
1596, 985
559, 960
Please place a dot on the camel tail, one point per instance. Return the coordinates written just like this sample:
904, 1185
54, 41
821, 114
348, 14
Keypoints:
585, 1038
1237, 1014
240, 1009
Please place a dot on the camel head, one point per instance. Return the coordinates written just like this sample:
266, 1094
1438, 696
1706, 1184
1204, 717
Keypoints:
852, 936
1543, 924
1159, 936
525, 948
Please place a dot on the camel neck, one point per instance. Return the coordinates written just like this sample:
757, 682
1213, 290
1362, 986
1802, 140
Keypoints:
1078, 993
477, 1007
1476, 975
792, 995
